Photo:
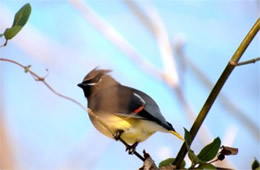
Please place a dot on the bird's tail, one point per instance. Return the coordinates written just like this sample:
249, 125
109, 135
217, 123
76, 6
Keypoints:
176, 134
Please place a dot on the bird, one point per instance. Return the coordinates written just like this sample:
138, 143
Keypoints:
119, 111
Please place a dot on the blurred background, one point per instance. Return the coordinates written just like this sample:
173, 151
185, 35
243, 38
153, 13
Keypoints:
172, 50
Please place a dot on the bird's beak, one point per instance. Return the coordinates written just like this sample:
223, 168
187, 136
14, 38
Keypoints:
81, 85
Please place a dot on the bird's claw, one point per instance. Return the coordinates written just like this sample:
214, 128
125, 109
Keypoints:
131, 148
118, 134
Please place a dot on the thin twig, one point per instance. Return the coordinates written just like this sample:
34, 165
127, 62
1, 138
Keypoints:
4, 44
252, 61
42, 79
217, 88
212, 161
134, 151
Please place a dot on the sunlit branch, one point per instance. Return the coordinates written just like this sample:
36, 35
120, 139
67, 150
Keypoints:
235, 111
217, 88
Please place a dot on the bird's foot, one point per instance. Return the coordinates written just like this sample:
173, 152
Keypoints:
118, 134
131, 148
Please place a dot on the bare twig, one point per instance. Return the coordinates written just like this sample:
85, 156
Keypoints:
214, 160
134, 152
42, 79
5, 43
252, 61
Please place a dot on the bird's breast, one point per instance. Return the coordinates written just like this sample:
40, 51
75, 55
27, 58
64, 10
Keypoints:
135, 130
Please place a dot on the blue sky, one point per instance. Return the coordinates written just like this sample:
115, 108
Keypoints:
47, 132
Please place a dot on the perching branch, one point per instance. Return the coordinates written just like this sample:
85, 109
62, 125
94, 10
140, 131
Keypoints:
216, 89
42, 79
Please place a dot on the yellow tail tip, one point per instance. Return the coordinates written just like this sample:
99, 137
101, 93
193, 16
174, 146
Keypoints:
176, 134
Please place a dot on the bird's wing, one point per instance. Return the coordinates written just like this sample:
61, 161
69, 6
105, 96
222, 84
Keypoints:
116, 100
143, 106
128, 102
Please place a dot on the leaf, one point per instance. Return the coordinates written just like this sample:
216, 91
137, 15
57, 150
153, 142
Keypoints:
210, 151
22, 16
11, 32
166, 162
1, 35
20, 19
169, 161
187, 137
206, 167
255, 165
226, 150
194, 159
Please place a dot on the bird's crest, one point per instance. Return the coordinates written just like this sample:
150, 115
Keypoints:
96, 74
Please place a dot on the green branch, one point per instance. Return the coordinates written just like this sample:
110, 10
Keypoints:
215, 91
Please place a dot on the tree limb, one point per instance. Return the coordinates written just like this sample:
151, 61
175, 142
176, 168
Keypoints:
216, 89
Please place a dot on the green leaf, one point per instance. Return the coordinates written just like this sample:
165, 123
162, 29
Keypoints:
187, 137
22, 16
206, 167
11, 32
166, 162
169, 161
194, 159
20, 19
1, 35
255, 165
210, 151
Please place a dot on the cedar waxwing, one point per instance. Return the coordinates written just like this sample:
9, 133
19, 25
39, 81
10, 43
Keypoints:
126, 112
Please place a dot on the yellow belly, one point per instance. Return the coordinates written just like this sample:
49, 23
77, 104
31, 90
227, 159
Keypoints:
135, 130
